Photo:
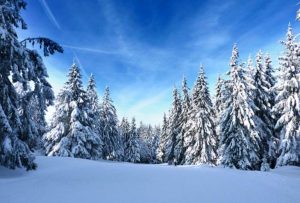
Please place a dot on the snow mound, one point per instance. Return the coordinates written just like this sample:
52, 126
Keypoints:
73, 180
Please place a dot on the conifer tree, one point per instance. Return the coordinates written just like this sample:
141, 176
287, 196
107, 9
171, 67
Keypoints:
287, 105
112, 146
94, 113
201, 139
71, 132
21, 65
175, 142
163, 139
131, 145
123, 129
263, 99
218, 103
240, 141
155, 143
186, 105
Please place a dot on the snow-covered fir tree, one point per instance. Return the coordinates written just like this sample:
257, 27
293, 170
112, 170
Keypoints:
148, 141
218, 100
131, 144
201, 139
94, 112
145, 142
186, 105
240, 144
263, 99
123, 129
71, 132
174, 144
163, 139
287, 105
20, 65
155, 143
112, 143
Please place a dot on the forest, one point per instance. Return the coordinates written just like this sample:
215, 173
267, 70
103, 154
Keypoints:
252, 122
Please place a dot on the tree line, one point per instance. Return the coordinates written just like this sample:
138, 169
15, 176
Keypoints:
251, 124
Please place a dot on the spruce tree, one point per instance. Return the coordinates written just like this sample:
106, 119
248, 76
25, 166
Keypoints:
155, 144
145, 138
218, 103
131, 145
94, 113
263, 99
201, 139
123, 129
112, 146
287, 105
174, 144
22, 65
186, 105
71, 132
163, 139
240, 141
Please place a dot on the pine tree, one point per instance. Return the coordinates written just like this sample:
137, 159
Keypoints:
201, 139
287, 105
174, 144
21, 65
71, 132
131, 145
112, 146
240, 140
163, 139
94, 114
263, 99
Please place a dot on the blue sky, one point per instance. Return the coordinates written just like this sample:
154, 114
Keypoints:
141, 49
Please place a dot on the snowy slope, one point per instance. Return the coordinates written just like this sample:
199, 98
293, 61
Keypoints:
76, 180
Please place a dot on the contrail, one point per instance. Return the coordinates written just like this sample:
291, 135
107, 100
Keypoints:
80, 65
99, 51
50, 14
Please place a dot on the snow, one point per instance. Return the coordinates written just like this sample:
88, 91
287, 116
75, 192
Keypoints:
63, 179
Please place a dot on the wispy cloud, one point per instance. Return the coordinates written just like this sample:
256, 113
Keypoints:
50, 14
80, 65
148, 107
88, 49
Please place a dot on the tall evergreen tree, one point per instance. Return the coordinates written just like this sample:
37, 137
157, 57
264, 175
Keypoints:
175, 142
155, 143
21, 65
218, 103
71, 132
123, 129
263, 99
240, 140
131, 145
201, 138
287, 105
112, 146
94, 113
186, 105
163, 139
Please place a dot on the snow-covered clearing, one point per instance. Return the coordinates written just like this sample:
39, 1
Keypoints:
75, 180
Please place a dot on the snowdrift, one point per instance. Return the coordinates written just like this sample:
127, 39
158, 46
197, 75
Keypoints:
64, 180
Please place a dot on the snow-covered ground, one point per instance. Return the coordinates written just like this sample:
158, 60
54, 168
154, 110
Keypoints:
75, 180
